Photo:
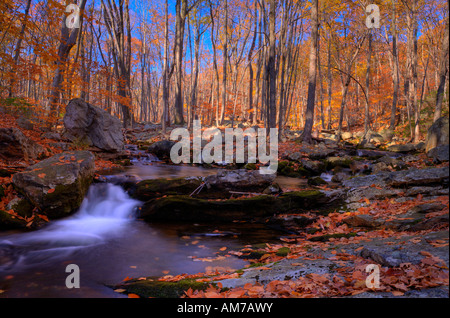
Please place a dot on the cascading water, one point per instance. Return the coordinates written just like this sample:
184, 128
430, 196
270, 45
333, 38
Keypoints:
104, 214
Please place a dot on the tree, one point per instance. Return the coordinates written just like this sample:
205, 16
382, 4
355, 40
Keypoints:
68, 40
443, 71
312, 77
117, 21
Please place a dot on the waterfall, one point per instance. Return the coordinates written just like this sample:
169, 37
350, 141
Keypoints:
104, 214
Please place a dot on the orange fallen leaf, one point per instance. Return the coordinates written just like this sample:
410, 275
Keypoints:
223, 248
41, 175
133, 296
51, 190
44, 217
165, 272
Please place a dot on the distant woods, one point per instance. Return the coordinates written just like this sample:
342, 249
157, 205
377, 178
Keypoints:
304, 65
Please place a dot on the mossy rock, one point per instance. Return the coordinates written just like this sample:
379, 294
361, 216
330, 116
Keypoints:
57, 185
153, 188
187, 208
161, 289
22, 207
8, 221
283, 251
316, 181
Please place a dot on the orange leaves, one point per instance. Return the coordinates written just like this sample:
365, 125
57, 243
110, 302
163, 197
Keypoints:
50, 191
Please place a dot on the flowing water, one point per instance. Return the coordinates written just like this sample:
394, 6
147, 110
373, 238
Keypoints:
108, 244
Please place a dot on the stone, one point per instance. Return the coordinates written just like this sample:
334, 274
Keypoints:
239, 180
346, 135
362, 220
51, 135
402, 148
57, 185
437, 134
409, 177
161, 148
316, 181
387, 134
14, 146
427, 208
379, 167
25, 123
439, 153
92, 126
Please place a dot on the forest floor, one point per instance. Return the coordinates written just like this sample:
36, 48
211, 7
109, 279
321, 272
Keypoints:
404, 234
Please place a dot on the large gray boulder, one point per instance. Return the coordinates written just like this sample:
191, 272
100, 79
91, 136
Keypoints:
90, 125
438, 134
57, 185
14, 145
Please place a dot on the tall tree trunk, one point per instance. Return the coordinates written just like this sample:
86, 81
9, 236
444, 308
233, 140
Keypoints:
165, 87
395, 69
312, 77
18, 46
68, 40
411, 65
366, 110
443, 71
224, 69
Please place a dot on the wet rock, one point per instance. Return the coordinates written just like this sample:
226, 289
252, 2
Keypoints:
315, 167
316, 181
161, 148
437, 134
187, 208
149, 189
14, 146
239, 180
57, 185
92, 126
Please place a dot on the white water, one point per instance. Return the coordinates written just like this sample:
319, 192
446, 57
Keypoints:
105, 213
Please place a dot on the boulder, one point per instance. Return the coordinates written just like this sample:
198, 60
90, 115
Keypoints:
402, 178
14, 145
439, 153
57, 185
346, 135
161, 148
239, 180
92, 126
438, 134
405, 148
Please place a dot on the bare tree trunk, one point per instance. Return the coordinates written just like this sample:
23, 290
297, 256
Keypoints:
306, 135
411, 65
68, 40
18, 46
395, 70
165, 88
443, 71
366, 111
225, 58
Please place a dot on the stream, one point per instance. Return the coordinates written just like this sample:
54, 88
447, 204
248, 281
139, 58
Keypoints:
108, 243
